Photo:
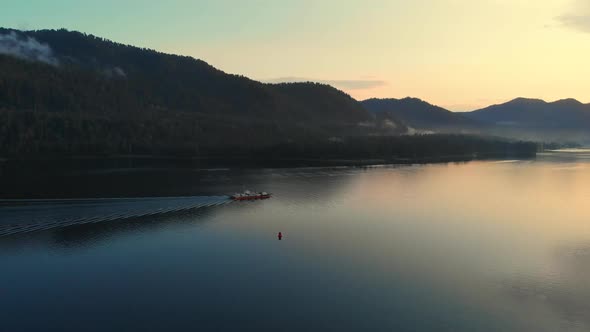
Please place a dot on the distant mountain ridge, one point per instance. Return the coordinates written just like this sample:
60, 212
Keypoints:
422, 115
566, 120
536, 113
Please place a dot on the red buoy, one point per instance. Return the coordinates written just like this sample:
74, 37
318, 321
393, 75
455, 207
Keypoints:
280, 236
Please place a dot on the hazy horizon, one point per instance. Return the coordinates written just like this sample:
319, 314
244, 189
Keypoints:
456, 54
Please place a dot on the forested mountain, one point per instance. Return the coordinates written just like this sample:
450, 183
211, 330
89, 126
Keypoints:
535, 113
68, 92
65, 93
563, 121
421, 115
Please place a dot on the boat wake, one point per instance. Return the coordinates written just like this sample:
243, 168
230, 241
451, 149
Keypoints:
24, 216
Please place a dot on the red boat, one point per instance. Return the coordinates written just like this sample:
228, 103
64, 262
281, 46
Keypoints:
248, 195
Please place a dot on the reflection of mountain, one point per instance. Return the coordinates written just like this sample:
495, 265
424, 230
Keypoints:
117, 183
68, 225
303, 185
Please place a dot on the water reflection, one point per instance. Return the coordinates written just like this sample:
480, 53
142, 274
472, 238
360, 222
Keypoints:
479, 246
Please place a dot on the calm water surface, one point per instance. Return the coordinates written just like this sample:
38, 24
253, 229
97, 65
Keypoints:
479, 246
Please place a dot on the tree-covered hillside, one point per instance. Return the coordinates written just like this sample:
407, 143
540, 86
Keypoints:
75, 93
65, 93
421, 115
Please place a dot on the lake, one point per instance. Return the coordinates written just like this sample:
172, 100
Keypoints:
477, 246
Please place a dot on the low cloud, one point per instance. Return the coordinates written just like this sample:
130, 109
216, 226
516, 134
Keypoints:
360, 84
577, 17
114, 72
578, 22
26, 48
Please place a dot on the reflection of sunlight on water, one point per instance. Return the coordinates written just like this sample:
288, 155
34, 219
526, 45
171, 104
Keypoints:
570, 151
570, 168
505, 161
562, 290
494, 220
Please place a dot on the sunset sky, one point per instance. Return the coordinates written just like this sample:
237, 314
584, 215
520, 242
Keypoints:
460, 54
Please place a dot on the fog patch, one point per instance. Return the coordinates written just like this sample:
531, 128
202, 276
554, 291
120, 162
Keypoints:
577, 17
115, 72
27, 48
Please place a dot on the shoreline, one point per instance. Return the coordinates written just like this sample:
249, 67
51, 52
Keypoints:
95, 178
139, 162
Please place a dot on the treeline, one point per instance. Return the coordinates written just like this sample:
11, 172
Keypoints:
61, 134
108, 98
562, 145
26, 134
31, 135
105, 98
95, 74
100, 76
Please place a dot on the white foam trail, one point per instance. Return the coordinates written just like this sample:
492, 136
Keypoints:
22, 216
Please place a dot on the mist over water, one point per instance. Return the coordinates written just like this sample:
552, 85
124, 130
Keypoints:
478, 246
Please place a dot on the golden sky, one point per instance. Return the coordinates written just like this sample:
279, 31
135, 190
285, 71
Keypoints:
460, 54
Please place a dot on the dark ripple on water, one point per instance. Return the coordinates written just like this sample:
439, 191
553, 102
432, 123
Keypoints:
37, 215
